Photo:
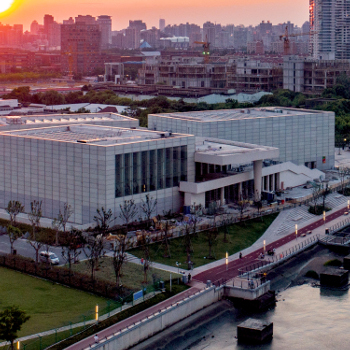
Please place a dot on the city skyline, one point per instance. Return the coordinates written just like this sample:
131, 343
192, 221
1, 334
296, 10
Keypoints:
251, 12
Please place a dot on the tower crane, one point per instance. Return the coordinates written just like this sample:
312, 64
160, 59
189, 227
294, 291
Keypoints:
286, 43
206, 48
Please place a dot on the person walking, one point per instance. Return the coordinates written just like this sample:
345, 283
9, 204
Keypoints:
96, 338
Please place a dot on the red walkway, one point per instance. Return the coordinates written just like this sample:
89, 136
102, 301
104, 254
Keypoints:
220, 273
215, 274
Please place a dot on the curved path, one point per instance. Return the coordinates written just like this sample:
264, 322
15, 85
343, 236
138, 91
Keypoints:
221, 273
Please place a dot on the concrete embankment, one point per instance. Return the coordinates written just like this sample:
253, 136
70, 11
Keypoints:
161, 320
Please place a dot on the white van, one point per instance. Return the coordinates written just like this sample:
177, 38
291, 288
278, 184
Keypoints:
49, 257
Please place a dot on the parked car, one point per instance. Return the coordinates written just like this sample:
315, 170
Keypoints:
49, 257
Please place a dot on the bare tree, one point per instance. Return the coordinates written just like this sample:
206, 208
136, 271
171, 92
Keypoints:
34, 217
73, 242
145, 241
243, 205
188, 244
61, 221
94, 251
212, 235
344, 172
165, 239
148, 206
128, 211
325, 193
13, 209
14, 233
119, 256
103, 220
316, 194
225, 225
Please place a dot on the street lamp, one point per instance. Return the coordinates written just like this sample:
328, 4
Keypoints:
226, 260
296, 231
264, 247
324, 217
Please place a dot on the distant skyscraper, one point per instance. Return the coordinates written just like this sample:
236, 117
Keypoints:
34, 27
161, 24
330, 20
80, 45
105, 24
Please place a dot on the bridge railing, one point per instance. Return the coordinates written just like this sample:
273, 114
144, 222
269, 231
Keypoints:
270, 261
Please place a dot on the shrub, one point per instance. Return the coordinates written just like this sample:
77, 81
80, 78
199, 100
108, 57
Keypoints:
334, 262
312, 274
319, 209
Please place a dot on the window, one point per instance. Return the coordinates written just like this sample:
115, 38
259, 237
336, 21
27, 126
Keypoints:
150, 170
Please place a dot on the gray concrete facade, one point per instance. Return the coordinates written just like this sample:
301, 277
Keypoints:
35, 166
304, 137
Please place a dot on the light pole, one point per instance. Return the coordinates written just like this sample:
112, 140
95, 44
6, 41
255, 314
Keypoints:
178, 267
296, 231
324, 217
226, 261
264, 247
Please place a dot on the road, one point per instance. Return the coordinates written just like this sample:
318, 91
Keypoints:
23, 247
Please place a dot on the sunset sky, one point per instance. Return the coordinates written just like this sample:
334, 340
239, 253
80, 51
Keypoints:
180, 11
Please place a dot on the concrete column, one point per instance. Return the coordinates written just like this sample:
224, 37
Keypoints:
257, 166
277, 181
222, 196
239, 190
272, 182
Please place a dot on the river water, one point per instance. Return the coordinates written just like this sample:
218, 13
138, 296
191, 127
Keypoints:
305, 317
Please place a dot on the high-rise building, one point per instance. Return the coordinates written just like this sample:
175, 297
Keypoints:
330, 20
34, 28
80, 44
161, 24
342, 31
105, 24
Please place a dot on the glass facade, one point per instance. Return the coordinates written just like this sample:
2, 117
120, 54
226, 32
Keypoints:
150, 170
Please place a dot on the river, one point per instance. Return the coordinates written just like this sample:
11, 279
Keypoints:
305, 317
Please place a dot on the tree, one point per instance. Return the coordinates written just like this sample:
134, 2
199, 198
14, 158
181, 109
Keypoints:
188, 244
145, 241
14, 233
316, 193
148, 206
34, 217
94, 251
74, 240
103, 219
325, 193
61, 221
13, 209
128, 211
119, 256
165, 239
243, 205
212, 235
344, 172
11, 321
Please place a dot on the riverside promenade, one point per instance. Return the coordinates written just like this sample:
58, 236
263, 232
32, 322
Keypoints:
218, 271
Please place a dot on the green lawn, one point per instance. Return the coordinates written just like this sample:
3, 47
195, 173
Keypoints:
49, 305
132, 273
240, 236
